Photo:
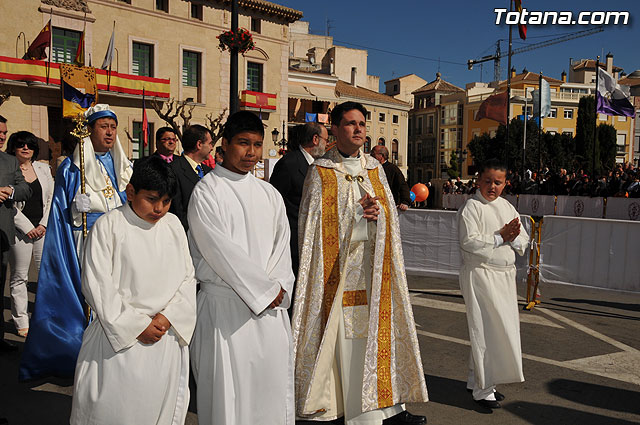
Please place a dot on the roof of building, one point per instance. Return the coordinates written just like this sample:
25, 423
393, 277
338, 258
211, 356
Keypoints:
399, 78
345, 89
289, 14
78, 5
629, 81
531, 77
439, 85
591, 64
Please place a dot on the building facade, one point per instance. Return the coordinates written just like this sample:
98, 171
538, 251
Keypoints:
167, 42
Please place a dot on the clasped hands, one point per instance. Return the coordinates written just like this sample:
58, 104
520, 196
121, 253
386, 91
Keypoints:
157, 328
511, 230
5, 193
37, 232
370, 207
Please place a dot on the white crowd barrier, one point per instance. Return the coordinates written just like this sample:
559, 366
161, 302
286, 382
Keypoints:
580, 206
568, 206
430, 243
623, 209
591, 252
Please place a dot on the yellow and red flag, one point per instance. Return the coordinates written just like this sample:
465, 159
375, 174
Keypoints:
522, 29
79, 59
42, 41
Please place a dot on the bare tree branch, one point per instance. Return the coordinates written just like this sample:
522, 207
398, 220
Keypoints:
169, 115
6, 94
216, 124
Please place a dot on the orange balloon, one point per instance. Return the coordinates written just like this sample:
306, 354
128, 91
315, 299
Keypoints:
421, 191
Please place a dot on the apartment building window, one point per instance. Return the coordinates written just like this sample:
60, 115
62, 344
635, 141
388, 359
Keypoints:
442, 116
621, 143
368, 115
65, 45
394, 119
196, 11
382, 117
254, 76
256, 25
367, 145
419, 159
430, 124
420, 125
602, 117
460, 113
142, 59
568, 113
553, 113
190, 68
139, 150
162, 5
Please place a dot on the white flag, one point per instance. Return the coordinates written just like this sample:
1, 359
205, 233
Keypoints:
542, 99
108, 58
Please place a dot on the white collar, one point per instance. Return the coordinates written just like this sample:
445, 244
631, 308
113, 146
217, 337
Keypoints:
307, 155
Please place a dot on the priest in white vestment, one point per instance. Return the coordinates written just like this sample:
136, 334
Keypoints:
138, 277
490, 235
356, 348
239, 236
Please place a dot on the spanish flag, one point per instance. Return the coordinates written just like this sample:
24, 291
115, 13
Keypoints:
79, 59
42, 41
522, 29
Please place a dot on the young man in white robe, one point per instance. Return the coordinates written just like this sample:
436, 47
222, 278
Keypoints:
490, 236
239, 236
356, 348
138, 277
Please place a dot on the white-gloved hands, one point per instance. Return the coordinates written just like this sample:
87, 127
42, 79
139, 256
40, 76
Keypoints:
82, 203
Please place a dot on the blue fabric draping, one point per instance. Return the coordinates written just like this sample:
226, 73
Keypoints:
58, 321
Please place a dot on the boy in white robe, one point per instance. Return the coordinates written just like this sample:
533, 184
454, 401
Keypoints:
490, 235
239, 237
138, 278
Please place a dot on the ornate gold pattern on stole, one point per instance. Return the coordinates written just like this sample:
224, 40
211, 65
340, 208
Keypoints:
108, 191
354, 298
330, 240
385, 389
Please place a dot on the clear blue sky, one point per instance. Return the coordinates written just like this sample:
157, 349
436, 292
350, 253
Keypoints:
455, 31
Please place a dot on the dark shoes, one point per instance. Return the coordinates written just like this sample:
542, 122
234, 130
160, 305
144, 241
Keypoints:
489, 404
6, 347
405, 418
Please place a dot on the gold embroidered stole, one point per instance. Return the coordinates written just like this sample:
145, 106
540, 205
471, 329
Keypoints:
330, 240
385, 390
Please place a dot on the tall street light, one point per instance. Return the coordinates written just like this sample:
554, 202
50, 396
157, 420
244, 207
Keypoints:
524, 99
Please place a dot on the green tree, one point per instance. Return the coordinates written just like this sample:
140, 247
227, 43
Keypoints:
453, 166
607, 136
584, 134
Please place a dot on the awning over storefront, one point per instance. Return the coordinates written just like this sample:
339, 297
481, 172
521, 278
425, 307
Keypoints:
322, 94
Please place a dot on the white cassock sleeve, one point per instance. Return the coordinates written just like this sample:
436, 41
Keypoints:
520, 243
230, 261
121, 322
471, 238
279, 266
181, 309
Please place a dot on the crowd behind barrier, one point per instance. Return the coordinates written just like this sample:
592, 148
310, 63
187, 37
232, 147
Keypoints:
580, 251
612, 208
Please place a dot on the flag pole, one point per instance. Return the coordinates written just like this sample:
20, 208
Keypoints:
595, 121
109, 73
50, 43
506, 143
540, 123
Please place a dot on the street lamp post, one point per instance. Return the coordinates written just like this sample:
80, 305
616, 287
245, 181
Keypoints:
462, 157
274, 136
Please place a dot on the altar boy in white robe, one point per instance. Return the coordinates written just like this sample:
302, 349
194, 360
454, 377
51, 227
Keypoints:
138, 277
239, 236
490, 235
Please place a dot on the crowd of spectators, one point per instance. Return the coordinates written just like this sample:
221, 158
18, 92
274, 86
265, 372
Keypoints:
622, 181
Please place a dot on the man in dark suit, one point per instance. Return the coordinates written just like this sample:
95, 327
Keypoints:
395, 178
289, 173
12, 188
189, 169
166, 140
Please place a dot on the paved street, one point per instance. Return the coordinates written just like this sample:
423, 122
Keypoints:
581, 351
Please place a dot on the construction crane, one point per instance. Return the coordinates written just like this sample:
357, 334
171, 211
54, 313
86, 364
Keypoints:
496, 57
